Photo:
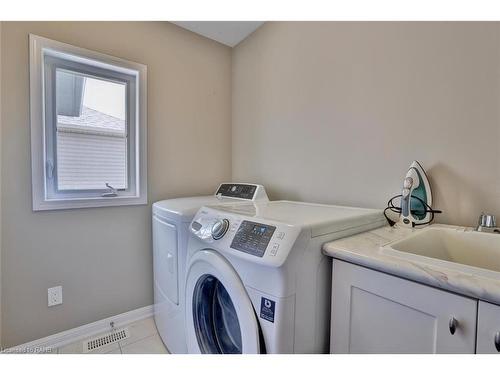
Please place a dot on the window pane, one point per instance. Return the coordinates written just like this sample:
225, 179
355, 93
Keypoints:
91, 132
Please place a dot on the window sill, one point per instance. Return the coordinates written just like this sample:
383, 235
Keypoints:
66, 204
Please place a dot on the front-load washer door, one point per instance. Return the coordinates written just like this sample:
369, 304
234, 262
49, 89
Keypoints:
219, 314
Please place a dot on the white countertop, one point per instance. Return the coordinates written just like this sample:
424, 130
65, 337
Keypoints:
364, 249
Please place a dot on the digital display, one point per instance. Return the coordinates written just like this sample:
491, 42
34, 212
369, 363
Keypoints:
253, 238
259, 229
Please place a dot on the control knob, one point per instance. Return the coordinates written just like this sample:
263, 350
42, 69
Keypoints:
220, 228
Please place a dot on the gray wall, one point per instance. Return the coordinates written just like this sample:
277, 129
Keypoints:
335, 112
102, 256
326, 112
0, 185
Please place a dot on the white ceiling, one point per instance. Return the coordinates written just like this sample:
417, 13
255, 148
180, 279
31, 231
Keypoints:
229, 33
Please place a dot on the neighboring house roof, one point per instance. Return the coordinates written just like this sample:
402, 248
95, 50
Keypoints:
92, 122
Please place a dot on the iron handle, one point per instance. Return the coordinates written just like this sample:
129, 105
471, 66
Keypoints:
453, 324
497, 341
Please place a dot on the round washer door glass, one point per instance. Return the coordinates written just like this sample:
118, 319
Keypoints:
215, 319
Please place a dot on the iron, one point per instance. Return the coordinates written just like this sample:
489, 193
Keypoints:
416, 197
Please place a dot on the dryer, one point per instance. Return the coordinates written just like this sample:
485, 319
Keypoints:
170, 222
257, 280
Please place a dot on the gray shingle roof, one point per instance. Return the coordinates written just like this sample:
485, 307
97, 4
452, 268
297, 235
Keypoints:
92, 122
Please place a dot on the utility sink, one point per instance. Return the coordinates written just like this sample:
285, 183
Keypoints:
479, 252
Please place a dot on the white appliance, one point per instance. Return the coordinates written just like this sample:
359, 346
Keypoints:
171, 220
257, 280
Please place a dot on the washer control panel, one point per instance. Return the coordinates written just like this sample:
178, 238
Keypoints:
256, 240
252, 238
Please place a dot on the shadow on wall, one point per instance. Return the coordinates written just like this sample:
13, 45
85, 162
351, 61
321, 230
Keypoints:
455, 195
280, 193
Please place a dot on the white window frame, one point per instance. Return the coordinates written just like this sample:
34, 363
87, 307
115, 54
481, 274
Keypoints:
45, 194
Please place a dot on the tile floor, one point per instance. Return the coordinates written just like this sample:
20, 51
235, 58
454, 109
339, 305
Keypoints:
144, 339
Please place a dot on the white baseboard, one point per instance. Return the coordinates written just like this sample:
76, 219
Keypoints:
79, 333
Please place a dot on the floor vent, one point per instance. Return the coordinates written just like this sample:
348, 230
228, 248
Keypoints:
105, 340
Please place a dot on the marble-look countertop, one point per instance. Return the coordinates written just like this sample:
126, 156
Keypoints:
365, 250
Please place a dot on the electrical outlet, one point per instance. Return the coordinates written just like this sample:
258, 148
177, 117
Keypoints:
54, 296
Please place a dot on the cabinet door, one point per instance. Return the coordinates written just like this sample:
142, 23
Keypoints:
373, 312
488, 328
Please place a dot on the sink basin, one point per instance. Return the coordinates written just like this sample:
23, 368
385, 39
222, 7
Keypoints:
455, 246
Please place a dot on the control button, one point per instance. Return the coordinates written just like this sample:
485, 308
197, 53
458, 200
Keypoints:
219, 229
274, 249
280, 235
196, 226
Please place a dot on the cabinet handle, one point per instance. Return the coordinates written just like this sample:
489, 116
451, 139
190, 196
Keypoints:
453, 324
497, 341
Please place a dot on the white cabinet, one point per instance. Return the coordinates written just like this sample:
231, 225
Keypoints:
373, 312
488, 328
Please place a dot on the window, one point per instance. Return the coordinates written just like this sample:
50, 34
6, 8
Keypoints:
88, 128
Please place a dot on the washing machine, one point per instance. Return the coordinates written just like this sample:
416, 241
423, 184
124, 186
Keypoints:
171, 219
257, 280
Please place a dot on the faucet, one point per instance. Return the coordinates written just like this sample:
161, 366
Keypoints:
487, 223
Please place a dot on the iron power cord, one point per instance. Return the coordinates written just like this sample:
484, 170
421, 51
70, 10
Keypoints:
392, 207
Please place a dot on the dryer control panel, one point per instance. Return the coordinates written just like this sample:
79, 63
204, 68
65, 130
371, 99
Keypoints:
248, 192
